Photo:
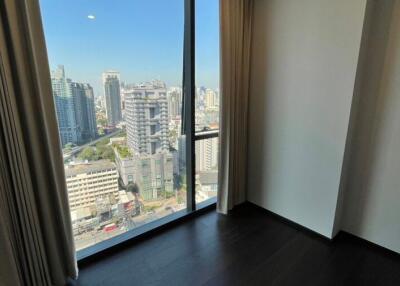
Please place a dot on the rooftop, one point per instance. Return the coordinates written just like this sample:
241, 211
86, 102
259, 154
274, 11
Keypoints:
75, 169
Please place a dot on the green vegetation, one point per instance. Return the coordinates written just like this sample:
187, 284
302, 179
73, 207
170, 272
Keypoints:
123, 151
103, 142
100, 131
99, 152
181, 195
169, 195
173, 134
133, 188
120, 134
88, 154
179, 180
68, 147
106, 152
151, 208
102, 121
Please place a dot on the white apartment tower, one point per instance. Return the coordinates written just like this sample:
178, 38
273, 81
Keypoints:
146, 116
211, 99
207, 155
147, 119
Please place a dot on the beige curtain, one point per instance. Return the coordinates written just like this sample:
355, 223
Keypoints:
36, 241
236, 26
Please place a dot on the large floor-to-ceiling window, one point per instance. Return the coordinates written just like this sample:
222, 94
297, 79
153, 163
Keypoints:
136, 91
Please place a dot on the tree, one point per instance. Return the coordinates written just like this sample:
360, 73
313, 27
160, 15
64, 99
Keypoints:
123, 151
102, 121
88, 154
133, 188
177, 181
99, 152
103, 142
107, 153
69, 146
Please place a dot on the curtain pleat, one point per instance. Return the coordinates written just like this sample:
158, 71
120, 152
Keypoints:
36, 225
235, 26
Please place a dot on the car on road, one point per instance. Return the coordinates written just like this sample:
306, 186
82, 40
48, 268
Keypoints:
110, 227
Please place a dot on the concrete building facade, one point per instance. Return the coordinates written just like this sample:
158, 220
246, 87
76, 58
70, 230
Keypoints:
146, 108
88, 182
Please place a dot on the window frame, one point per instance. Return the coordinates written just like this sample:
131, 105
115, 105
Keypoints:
188, 121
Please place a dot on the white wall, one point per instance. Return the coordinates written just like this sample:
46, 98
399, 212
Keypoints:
304, 60
371, 199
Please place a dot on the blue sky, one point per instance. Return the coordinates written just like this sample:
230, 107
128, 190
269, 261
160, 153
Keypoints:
142, 39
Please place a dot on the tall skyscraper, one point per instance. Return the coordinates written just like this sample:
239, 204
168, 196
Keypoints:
146, 111
210, 99
84, 110
91, 111
207, 154
174, 96
64, 102
111, 83
75, 108
147, 118
200, 99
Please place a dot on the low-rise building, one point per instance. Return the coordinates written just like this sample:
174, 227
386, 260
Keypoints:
87, 182
125, 164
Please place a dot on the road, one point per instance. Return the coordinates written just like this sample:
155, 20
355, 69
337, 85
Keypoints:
93, 237
67, 155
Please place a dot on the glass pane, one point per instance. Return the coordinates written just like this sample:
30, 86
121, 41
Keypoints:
206, 169
116, 78
207, 65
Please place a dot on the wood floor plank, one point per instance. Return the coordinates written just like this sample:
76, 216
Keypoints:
249, 247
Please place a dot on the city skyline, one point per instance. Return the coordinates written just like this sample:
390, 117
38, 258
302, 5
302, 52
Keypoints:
128, 35
124, 154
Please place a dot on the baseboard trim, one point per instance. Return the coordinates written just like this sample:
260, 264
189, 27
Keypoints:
292, 223
370, 244
300, 227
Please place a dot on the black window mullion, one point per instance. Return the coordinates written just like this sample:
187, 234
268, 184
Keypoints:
189, 104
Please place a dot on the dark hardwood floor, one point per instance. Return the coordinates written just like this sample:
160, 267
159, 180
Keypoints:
248, 247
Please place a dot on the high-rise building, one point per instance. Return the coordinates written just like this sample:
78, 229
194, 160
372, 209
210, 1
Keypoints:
147, 119
182, 153
200, 99
111, 83
207, 154
64, 103
146, 111
210, 99
75, 108
174, 96
85, 115
91, 111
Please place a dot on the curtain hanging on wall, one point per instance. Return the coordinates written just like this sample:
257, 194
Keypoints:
36, 242
235, 26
